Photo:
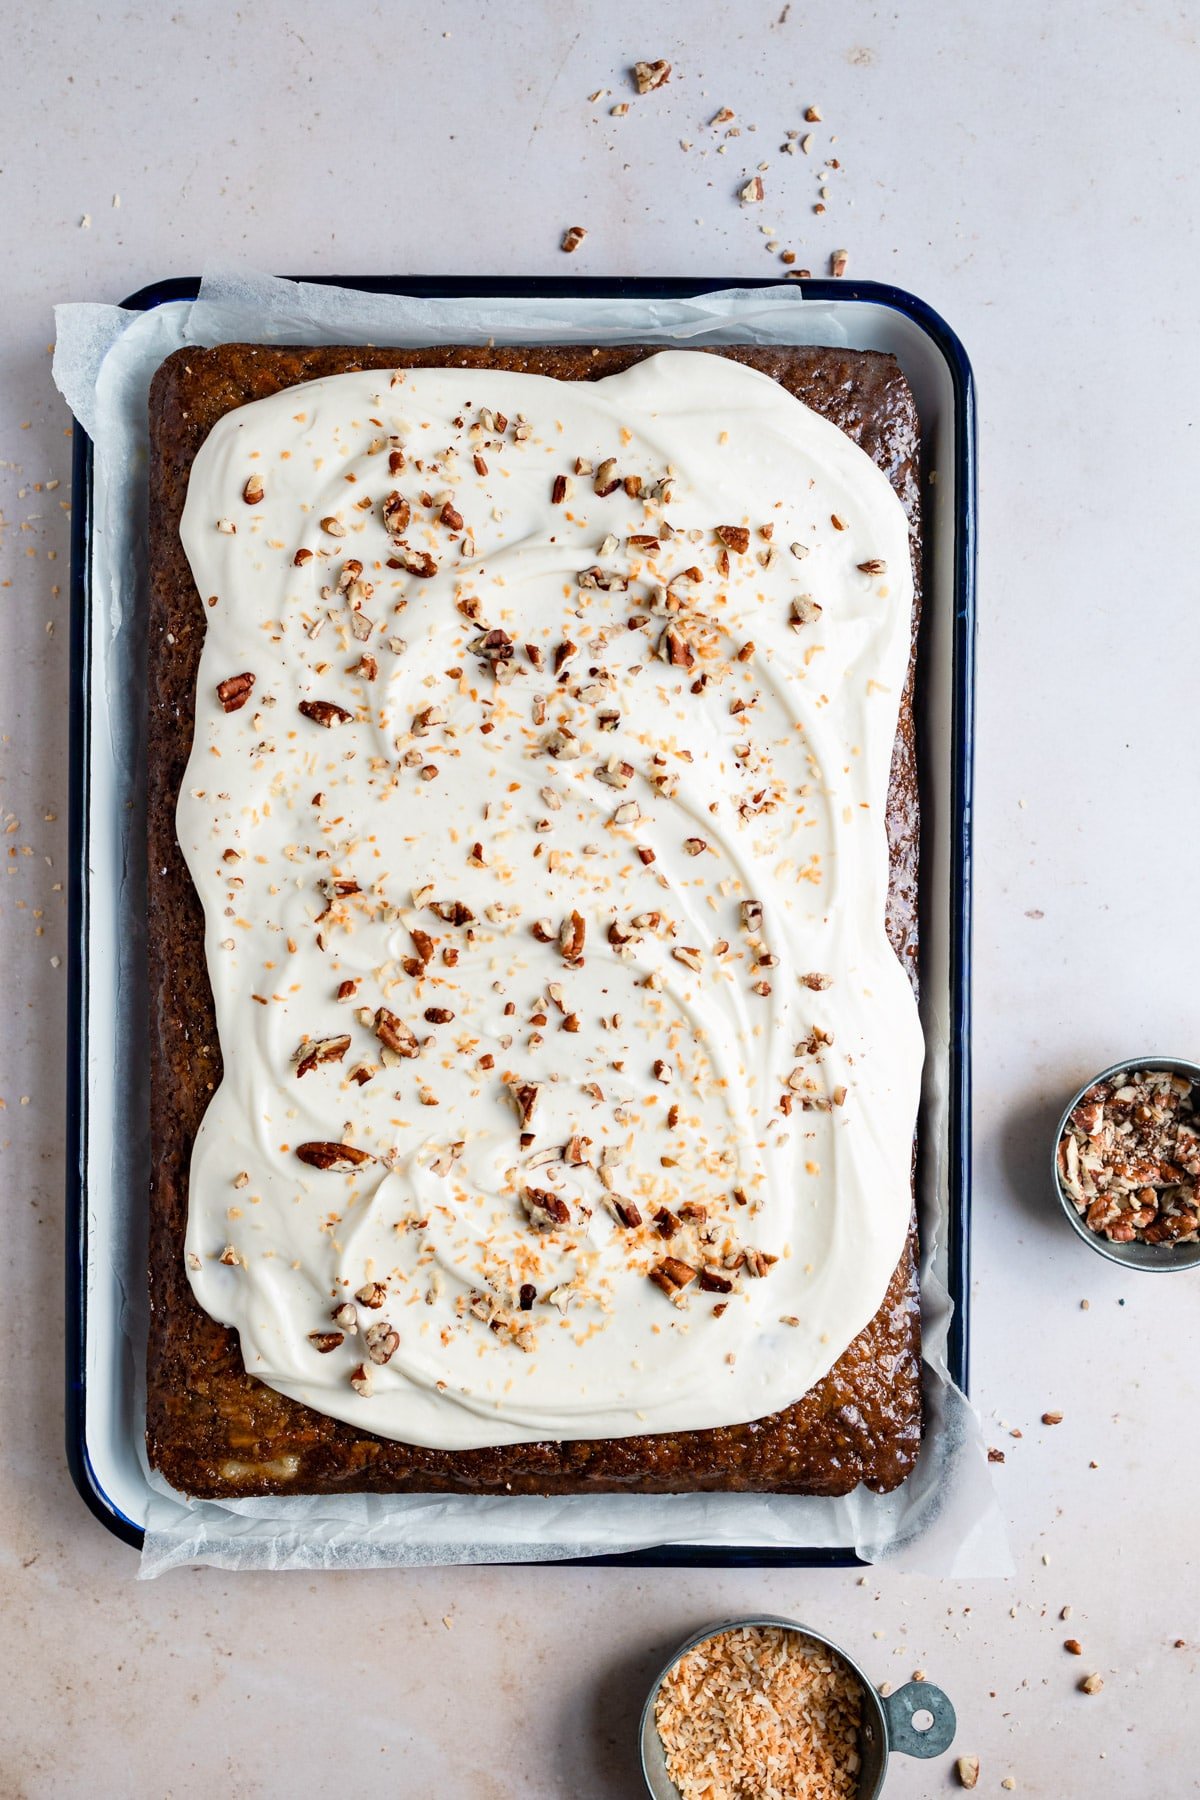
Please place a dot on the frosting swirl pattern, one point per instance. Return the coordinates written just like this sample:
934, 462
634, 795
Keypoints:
537, 809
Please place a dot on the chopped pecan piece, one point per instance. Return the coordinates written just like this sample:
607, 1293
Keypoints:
805, 611
494, 646
752, 915
234, 692
666, 1221
605, 580
417, 562
339, 1157
325, 1341
525, 1095
394, 1034
874, 565
572, 237
626, 1212
562, 744
546, 1209
323, 1050
526, 1296
324, 712
674, 648
438, 1015
757, 1262
382, 1341
650, 75
672, 1276
607, 480
360, 1381
454, 912
615, 773
450, 517
713, 1282
397, 514
372, 1294
254, 490
734, 537
571, 936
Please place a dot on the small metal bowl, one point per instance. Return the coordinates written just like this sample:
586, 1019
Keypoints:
1160, 1259
887, 1724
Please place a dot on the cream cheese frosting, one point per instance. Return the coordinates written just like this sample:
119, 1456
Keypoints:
536, 805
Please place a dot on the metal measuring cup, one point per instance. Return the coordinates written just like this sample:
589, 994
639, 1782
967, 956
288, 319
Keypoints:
887, 1721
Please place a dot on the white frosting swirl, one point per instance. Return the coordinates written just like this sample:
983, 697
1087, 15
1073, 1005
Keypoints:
317, 848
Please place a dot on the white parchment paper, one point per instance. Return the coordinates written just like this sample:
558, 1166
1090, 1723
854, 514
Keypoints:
944, 1519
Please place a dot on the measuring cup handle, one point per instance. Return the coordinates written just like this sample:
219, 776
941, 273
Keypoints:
915, 1697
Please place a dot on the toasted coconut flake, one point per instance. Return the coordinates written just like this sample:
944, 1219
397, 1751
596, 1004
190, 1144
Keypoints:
761, 1711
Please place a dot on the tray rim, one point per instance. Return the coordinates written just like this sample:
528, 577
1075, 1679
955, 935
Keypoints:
946, 342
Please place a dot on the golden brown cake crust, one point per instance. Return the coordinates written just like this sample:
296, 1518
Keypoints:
212, 1429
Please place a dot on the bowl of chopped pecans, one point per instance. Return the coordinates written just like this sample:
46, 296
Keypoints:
1126, 1163
766, 1706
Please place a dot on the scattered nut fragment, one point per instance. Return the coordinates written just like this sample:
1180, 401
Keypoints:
338, 1157
805, 611
672, 1276
674, 648
752, 192
1073, 1647
324, 712
650, 75
394, 1034
1091, 1684
607, 480
571, 935
967, 1770
1052, 1418
525, 1096
325, 1341
254, 490
874, 565
397, 513
838, 262
234, 692
310, 1056
734, 537
372, 1294
573, 237
546, 1210
382, 1341
360, 1381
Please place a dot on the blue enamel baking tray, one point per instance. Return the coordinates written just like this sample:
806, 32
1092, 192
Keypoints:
102, 1418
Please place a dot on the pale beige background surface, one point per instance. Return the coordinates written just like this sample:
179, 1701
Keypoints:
1031, 172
